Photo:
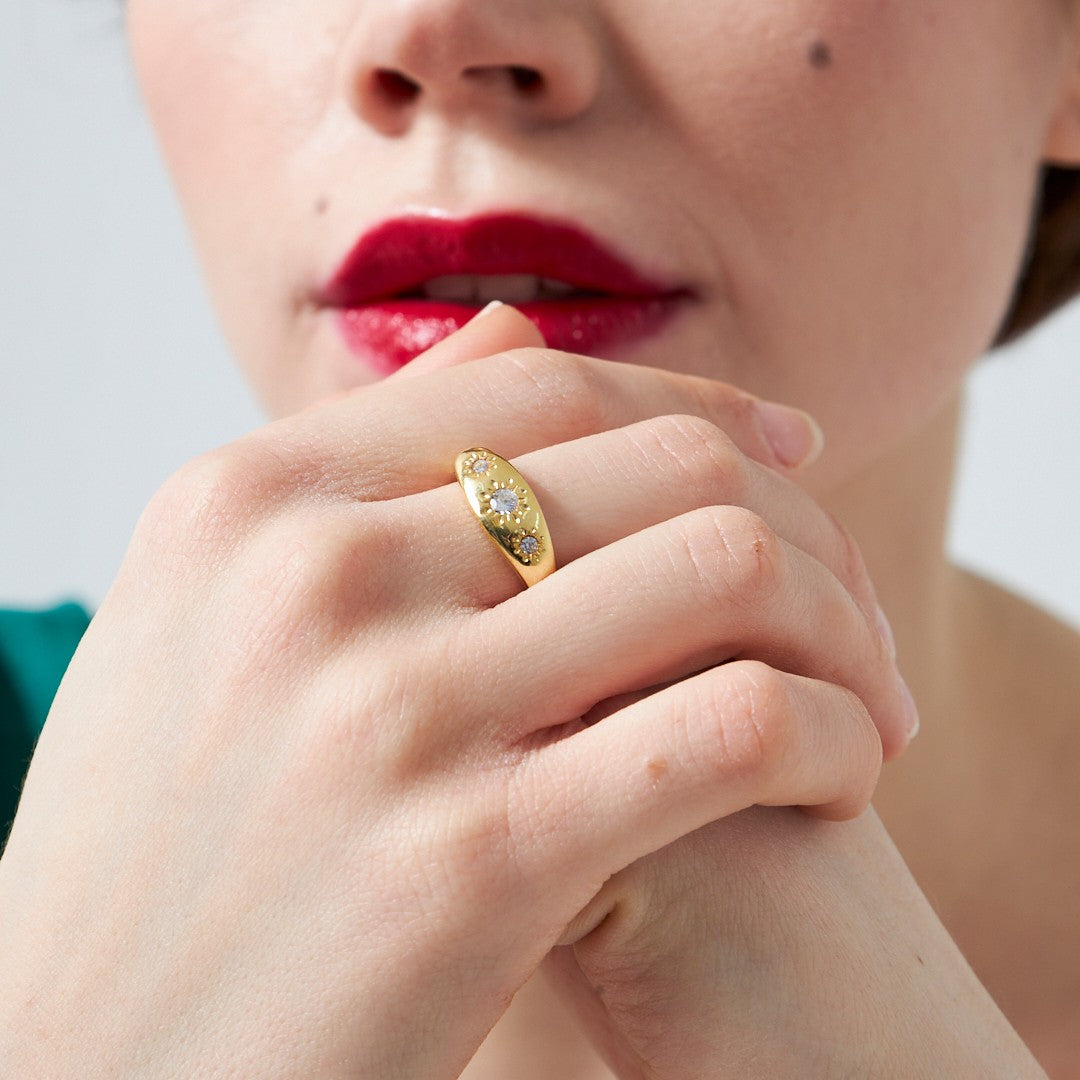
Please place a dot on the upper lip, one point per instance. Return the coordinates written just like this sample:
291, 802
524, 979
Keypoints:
402, 253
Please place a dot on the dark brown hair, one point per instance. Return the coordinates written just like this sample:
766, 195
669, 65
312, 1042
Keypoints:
1050, 276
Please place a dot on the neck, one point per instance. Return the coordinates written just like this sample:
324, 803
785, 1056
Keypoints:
898, 512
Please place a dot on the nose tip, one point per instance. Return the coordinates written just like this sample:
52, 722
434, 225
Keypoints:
535, 64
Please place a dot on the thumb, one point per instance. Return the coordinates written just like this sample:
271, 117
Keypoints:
496, 328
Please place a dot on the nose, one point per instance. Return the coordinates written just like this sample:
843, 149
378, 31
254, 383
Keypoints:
535, 62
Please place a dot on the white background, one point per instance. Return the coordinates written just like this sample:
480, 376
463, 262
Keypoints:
112, 372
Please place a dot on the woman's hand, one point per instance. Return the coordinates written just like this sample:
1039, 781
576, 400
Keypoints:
771, 945
315, 797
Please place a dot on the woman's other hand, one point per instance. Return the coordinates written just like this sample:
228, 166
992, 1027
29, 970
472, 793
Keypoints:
771, 946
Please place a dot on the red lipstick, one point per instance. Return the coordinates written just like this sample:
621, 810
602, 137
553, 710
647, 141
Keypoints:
411, 281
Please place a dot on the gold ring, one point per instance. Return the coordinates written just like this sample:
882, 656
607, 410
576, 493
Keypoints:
509, 511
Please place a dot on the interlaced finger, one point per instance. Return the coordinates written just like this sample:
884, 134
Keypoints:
728, 738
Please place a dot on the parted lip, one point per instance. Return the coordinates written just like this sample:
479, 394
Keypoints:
398, 255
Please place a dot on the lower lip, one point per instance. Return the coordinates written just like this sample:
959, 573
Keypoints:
390, 333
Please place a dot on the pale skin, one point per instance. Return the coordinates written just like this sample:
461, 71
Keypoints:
670, 939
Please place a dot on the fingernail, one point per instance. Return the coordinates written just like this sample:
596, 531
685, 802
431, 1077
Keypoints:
794, 435
485, 311
911, 710
886, 632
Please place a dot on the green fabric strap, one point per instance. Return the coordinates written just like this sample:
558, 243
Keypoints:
35, 649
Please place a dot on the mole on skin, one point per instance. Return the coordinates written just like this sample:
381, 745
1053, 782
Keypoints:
321, 205
820, 55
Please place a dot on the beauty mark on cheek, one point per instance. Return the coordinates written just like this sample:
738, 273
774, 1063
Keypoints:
820, 55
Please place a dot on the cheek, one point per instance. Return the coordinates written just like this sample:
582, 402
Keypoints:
229, 85
211, 73
191, 70
871, 166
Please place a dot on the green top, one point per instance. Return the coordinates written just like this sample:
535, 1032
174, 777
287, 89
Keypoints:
35, 649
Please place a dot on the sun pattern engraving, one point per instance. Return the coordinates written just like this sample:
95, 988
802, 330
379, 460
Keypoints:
507, 502
479, 463
528, 546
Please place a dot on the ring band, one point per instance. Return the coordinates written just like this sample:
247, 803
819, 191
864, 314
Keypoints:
509, 511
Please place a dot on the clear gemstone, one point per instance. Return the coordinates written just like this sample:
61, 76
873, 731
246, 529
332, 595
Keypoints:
530, 545
481, 466
504, 501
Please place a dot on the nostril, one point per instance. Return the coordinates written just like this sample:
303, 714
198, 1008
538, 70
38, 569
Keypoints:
526, 78
395, 87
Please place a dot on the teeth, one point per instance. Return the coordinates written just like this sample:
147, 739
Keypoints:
557, 288
451, 287
483, 288
510, 288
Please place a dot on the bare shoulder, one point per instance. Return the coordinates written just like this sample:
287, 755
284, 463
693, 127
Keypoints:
1009, 609
1026, 665
1022, 666
1028, 658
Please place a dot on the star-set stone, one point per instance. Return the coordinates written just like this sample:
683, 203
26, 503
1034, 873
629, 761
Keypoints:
504, 501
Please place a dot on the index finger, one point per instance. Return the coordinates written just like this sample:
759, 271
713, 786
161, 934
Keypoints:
408, 430
495, 328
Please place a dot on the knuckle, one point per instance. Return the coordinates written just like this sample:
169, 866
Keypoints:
855, 574
696, 451
739, 559
865, 738
857, 724
862, 758
310, 595
754, 721
866, 743
736, 409
411, 714
742, 408
325, 570
570, 389
214, 498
